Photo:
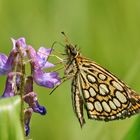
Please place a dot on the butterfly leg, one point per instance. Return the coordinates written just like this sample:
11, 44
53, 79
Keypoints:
63, 79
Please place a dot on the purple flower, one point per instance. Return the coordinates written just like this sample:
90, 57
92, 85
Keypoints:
28, 85
42, 56
45, 79
7, 63
3, 59
18, 83
10, 85
31, 100
27, 117
39, 58
30, 97
20, 44
38, 62
39, 109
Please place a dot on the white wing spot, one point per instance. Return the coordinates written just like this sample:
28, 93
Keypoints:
121, 97
116, 102
93, 116
91, 78
90, 106
92, 91
119, 115
103, 89
79, 114
117, 85
102, 77
98, 106
106, 106
86, 94
112, 117
112, 105
77, 100
76, 90
102, 117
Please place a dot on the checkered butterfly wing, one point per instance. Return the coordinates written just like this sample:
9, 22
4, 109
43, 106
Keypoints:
105, 97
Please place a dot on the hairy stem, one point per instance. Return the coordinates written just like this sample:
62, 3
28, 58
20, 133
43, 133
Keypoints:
22, 85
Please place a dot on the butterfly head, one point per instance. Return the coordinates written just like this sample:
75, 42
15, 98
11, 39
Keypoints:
71, 50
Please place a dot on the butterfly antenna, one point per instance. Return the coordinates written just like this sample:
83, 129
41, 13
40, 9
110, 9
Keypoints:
56, 42
66, 38
62, 45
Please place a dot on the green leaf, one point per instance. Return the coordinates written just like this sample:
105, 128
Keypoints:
134, 132
10, 124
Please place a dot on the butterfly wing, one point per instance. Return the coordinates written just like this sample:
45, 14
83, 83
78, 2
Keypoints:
105, 96
77, 100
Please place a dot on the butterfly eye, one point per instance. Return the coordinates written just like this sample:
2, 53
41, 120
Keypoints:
74, 52
71, 51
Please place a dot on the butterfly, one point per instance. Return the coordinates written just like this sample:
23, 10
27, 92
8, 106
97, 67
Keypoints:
103, 95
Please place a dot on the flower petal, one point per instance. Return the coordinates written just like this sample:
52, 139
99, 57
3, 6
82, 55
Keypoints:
31, 99
39, 109
10, 86
48, 65
42, 78
39, 59
32, 56
28, 85
45, 79
3, 59
27, 117
7, 64
21, 41
43, 53
42, 56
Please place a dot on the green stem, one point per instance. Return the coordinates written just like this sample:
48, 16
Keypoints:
22, 85
22, 94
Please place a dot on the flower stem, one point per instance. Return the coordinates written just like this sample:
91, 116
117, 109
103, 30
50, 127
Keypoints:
22, 94
22, 85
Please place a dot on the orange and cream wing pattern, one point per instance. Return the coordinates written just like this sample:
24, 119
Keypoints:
105, 96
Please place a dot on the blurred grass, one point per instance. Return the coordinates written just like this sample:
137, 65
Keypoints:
10, 126
106, 31
133, 133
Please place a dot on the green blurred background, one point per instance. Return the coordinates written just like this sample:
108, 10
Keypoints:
107, 31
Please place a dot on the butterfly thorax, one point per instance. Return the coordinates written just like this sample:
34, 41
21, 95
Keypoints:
71, 66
